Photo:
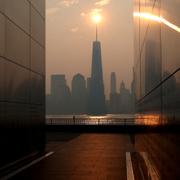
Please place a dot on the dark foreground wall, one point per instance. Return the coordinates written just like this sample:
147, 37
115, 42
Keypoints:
157, 58
22, 78
157, 80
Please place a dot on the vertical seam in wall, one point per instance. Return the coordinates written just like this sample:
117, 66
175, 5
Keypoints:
139, 50
44, 61
30, 52
5, 50
161, 89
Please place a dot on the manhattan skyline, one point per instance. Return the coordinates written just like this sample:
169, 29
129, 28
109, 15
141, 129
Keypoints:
69, 42
80, 98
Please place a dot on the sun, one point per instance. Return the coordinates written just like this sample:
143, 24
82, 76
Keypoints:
96, 18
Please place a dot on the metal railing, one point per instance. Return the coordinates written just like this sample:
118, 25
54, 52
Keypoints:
100, 121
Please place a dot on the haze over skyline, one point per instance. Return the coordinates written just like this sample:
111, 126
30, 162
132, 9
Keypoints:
70, 33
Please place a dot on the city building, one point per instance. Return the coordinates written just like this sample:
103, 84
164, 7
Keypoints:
125, 101
79, 94
114, 96
58, 82
59, 101
22, 79
113, 83
96, 104
88, 86
157, 63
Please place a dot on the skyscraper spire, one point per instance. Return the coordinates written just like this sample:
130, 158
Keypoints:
96, 32
97, 19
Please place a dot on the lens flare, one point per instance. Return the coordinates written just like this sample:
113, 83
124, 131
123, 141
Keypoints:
158, 19
96, 18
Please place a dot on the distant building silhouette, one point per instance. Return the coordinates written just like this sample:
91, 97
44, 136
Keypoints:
113, 83
58, 82
79, 94
96, 103
114, 97
59, 102
88, 86
125, 105
82, 100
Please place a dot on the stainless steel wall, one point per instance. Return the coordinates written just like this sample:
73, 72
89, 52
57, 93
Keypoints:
157, 58
22, 78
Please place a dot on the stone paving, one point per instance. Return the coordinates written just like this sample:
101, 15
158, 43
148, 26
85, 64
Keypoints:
86, 157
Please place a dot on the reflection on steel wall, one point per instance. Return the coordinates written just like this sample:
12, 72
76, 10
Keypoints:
22, 78
157, 58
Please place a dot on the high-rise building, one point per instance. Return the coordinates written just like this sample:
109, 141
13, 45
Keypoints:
58, 84
88, 85
113, 83
59, 102
114, 96
79, 94
22, 78
125, 104
96, 96
157, 59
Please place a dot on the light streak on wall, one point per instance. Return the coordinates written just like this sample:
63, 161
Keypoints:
158, 19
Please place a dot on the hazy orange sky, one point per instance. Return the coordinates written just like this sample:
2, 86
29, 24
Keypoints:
70, 32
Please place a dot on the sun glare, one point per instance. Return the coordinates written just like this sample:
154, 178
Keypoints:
97, 18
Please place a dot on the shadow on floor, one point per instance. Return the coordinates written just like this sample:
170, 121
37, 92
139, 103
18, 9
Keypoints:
60, 136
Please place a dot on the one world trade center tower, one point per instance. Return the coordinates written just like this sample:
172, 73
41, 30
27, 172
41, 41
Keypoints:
97, 105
